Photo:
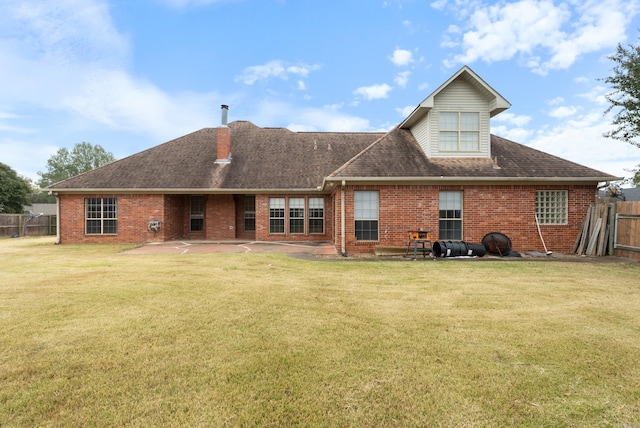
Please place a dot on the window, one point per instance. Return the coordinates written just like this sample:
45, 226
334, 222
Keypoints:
316, 215
551, 206
101, 216
249, 213
366, 215
296, 215
459, 131
197, 214
276, 215
450, 223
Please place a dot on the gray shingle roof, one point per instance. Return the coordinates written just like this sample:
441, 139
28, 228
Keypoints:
399, 155
262, 159
279, 159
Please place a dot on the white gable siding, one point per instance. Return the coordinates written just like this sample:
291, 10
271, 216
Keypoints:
420, 132
458, 96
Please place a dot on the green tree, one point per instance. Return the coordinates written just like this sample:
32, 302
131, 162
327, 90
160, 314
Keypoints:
13, 191
65, 164
624, 99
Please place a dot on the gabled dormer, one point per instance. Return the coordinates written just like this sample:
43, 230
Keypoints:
454, 120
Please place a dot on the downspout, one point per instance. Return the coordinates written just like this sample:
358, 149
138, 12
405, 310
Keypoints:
343, 246
57, 217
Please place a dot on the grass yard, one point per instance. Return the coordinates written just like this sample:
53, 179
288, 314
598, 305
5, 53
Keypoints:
93, 337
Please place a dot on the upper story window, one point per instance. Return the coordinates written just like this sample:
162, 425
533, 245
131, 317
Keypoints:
459, 131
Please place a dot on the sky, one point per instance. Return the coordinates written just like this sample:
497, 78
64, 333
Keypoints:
131, 74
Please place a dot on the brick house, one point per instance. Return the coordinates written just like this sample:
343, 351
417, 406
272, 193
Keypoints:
440, 170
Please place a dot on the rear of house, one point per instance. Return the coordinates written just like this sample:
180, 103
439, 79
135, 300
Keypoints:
439, 170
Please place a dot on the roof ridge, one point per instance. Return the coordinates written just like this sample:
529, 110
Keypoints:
362, 153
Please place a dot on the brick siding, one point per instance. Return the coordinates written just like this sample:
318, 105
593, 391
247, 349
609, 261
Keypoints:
506, 209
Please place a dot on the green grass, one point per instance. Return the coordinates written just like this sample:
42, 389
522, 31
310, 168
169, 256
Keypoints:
90, 336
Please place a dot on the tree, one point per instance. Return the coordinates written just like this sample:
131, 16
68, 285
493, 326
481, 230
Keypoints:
65, 164
624, 99
13, 191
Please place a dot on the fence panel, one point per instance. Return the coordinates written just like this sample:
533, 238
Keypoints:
627, 239
17, 224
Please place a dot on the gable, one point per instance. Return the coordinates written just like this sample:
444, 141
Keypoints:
464, 94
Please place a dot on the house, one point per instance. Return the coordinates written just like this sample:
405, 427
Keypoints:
440, 170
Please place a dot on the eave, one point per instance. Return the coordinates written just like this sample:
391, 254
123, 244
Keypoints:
330, 181
183, 191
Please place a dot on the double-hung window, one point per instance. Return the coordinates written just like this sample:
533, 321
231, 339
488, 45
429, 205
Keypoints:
196, 215
459, 131
249, 213
450, 222
296, 215
316, 215
366, 215
551, 206
276, 215
101, 216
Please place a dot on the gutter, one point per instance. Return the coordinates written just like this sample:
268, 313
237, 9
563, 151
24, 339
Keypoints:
185, 191
469, 180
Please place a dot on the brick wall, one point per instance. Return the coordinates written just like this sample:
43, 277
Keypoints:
506, 209
134, 214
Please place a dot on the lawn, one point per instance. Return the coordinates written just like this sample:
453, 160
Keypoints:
90, 336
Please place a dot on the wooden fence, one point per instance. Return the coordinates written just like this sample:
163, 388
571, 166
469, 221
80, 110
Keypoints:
627, 230
20, 225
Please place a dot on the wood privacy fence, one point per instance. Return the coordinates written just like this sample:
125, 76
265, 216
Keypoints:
627, 230
20, 225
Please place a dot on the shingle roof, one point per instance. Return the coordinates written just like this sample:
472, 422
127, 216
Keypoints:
279, 159
262, 159
399, 155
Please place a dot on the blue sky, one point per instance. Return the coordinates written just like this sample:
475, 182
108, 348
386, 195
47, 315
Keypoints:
131, 74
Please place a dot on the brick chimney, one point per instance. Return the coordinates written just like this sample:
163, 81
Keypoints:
223, 138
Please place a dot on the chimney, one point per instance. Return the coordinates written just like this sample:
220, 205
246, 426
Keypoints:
223, 138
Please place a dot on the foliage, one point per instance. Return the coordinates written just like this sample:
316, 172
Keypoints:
65, 164
624, 99
248, 339
40, 198
13, 191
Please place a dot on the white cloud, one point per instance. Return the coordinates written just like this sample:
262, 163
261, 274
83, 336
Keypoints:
276, 68
405, 111
63, 65
563, 112
438, 4
402, 78
324, 119
580, 140
401, 57
373, 92
512, 119
543, 35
